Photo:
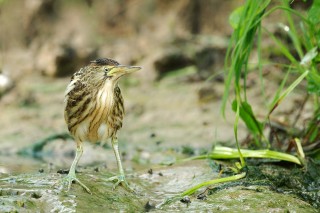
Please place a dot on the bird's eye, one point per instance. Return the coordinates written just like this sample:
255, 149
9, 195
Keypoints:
106, 69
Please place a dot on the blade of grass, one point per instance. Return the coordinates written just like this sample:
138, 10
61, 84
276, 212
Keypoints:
211, 182
221, 152
299, 148
246, 115
260, 64
236, 61
281, 86
284, 50
240, 44
196, 187
235, 129
292, 31
287, 91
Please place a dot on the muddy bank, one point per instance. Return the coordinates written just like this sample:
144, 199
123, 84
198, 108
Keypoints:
269, 187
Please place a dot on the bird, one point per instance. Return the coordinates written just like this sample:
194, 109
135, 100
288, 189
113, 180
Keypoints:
94, 111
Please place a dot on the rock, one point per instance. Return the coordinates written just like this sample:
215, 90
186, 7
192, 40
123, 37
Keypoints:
5, 84
39, 15
205, 16
171, 60
59, 60
204, 53
56, 60
208, 93
209, 61
149, 206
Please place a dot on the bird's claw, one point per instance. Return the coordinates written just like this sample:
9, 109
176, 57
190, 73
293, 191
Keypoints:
68, 181
120, 179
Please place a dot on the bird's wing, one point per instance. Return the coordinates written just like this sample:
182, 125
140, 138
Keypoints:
75, 78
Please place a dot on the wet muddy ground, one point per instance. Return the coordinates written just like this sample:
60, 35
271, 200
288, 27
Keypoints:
36, 192
164, 122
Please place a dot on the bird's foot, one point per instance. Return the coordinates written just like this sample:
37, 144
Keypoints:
120, 179
68, 181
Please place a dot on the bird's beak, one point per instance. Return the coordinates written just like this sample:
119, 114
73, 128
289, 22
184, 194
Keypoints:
122, 70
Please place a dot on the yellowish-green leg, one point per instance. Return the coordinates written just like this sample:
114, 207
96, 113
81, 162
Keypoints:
72, 172
121, 177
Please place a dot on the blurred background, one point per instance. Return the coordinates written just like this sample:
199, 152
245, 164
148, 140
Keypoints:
173, 104
170, 104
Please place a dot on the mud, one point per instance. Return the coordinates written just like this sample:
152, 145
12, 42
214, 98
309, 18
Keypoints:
262, 190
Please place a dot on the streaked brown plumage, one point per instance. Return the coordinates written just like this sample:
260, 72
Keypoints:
94, 109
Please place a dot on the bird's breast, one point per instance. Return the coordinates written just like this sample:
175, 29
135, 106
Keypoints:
100, 118
99, 128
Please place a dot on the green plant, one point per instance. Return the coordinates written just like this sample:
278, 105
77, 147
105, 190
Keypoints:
248, 29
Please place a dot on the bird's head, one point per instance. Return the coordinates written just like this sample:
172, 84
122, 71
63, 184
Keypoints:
111, 70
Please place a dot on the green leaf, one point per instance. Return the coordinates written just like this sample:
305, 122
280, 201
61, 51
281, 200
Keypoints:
247, 116
234, 18
222, 152
313, 14
193, 189
314, 81
277, 101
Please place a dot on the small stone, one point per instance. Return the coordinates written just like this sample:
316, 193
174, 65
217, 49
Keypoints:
152, 135
188, 150
202, 196
36, 195
205, 123
186, 200
5, 84
149, 206
209, 60
63, 171
150, 171
171, 60
41, 170
207, 94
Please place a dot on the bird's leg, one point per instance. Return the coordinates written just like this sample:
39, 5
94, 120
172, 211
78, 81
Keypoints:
72, 172
121, 177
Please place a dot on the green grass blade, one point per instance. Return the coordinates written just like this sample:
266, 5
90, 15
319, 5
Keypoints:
211, 182
260, 64
247, 115
221, 152
287, 91
245, 24
285, 51
195, 188
281, 86
235, 129
292, 31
